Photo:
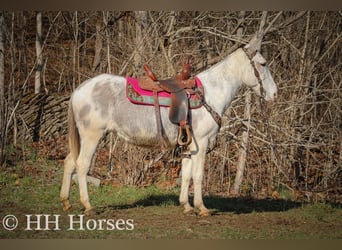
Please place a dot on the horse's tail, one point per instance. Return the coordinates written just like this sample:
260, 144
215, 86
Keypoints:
74, 136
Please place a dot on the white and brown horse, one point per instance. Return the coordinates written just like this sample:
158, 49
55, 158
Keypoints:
100, 105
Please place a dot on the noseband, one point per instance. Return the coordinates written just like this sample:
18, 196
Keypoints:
256, 72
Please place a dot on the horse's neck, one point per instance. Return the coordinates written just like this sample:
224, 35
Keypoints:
221, 82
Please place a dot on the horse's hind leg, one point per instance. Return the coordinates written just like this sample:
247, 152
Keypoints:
69, 167
88, 146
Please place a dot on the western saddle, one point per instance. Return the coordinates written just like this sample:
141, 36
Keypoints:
180, 87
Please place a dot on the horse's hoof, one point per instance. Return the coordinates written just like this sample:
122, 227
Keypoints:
66, 206
189, 211
90, 212
205, 213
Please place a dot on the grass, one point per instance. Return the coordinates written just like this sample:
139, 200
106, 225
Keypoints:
33, 188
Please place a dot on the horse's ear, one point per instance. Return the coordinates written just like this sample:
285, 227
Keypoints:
254, 44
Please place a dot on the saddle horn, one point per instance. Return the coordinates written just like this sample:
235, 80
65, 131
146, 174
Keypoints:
186, 69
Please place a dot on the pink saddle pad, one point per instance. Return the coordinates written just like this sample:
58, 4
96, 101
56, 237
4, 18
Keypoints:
140, 96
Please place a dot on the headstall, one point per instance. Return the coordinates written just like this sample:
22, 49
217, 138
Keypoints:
256, 72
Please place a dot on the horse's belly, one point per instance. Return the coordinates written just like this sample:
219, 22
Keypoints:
145, 139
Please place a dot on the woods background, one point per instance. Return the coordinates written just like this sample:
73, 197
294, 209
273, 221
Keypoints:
291, 148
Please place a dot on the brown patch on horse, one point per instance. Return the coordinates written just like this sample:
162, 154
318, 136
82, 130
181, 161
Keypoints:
84, 111
101, 96
86, 123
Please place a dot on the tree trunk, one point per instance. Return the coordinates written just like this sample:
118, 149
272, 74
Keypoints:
244, 146
247, 114
75, 61
141, 24
39, 44
109, 64
98, 48
244, 139
172, 24
2, 87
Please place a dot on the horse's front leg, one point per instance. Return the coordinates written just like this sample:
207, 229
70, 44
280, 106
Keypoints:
186, 178
197, 175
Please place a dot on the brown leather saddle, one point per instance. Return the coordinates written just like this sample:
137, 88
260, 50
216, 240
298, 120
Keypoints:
180, 87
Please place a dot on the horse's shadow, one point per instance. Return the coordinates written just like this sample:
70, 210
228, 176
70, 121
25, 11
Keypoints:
217, 204
244, 205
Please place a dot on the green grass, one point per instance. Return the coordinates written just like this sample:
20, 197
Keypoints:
33, 187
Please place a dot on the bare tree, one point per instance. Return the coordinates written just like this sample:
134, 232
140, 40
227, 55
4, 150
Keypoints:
247, 115
140, 27
39, 52
98, 48
75, 58
2, 86
106, 16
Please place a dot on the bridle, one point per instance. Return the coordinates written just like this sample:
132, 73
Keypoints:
262, 90
256, 72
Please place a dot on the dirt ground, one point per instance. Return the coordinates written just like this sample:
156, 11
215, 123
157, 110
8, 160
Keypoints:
160, 217
31, 189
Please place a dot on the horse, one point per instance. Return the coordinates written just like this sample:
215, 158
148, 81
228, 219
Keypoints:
100, 105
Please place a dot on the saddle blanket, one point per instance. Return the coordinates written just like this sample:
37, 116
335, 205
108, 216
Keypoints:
140, 96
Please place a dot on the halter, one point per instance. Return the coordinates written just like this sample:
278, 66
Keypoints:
256, 72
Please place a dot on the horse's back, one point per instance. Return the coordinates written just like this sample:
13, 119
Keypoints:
98, 90
98, 82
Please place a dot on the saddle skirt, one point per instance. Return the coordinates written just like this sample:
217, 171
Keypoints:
139, 96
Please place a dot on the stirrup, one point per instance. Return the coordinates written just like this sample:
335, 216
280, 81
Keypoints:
182, 135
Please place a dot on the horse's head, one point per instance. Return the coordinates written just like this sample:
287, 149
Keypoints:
256, 74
